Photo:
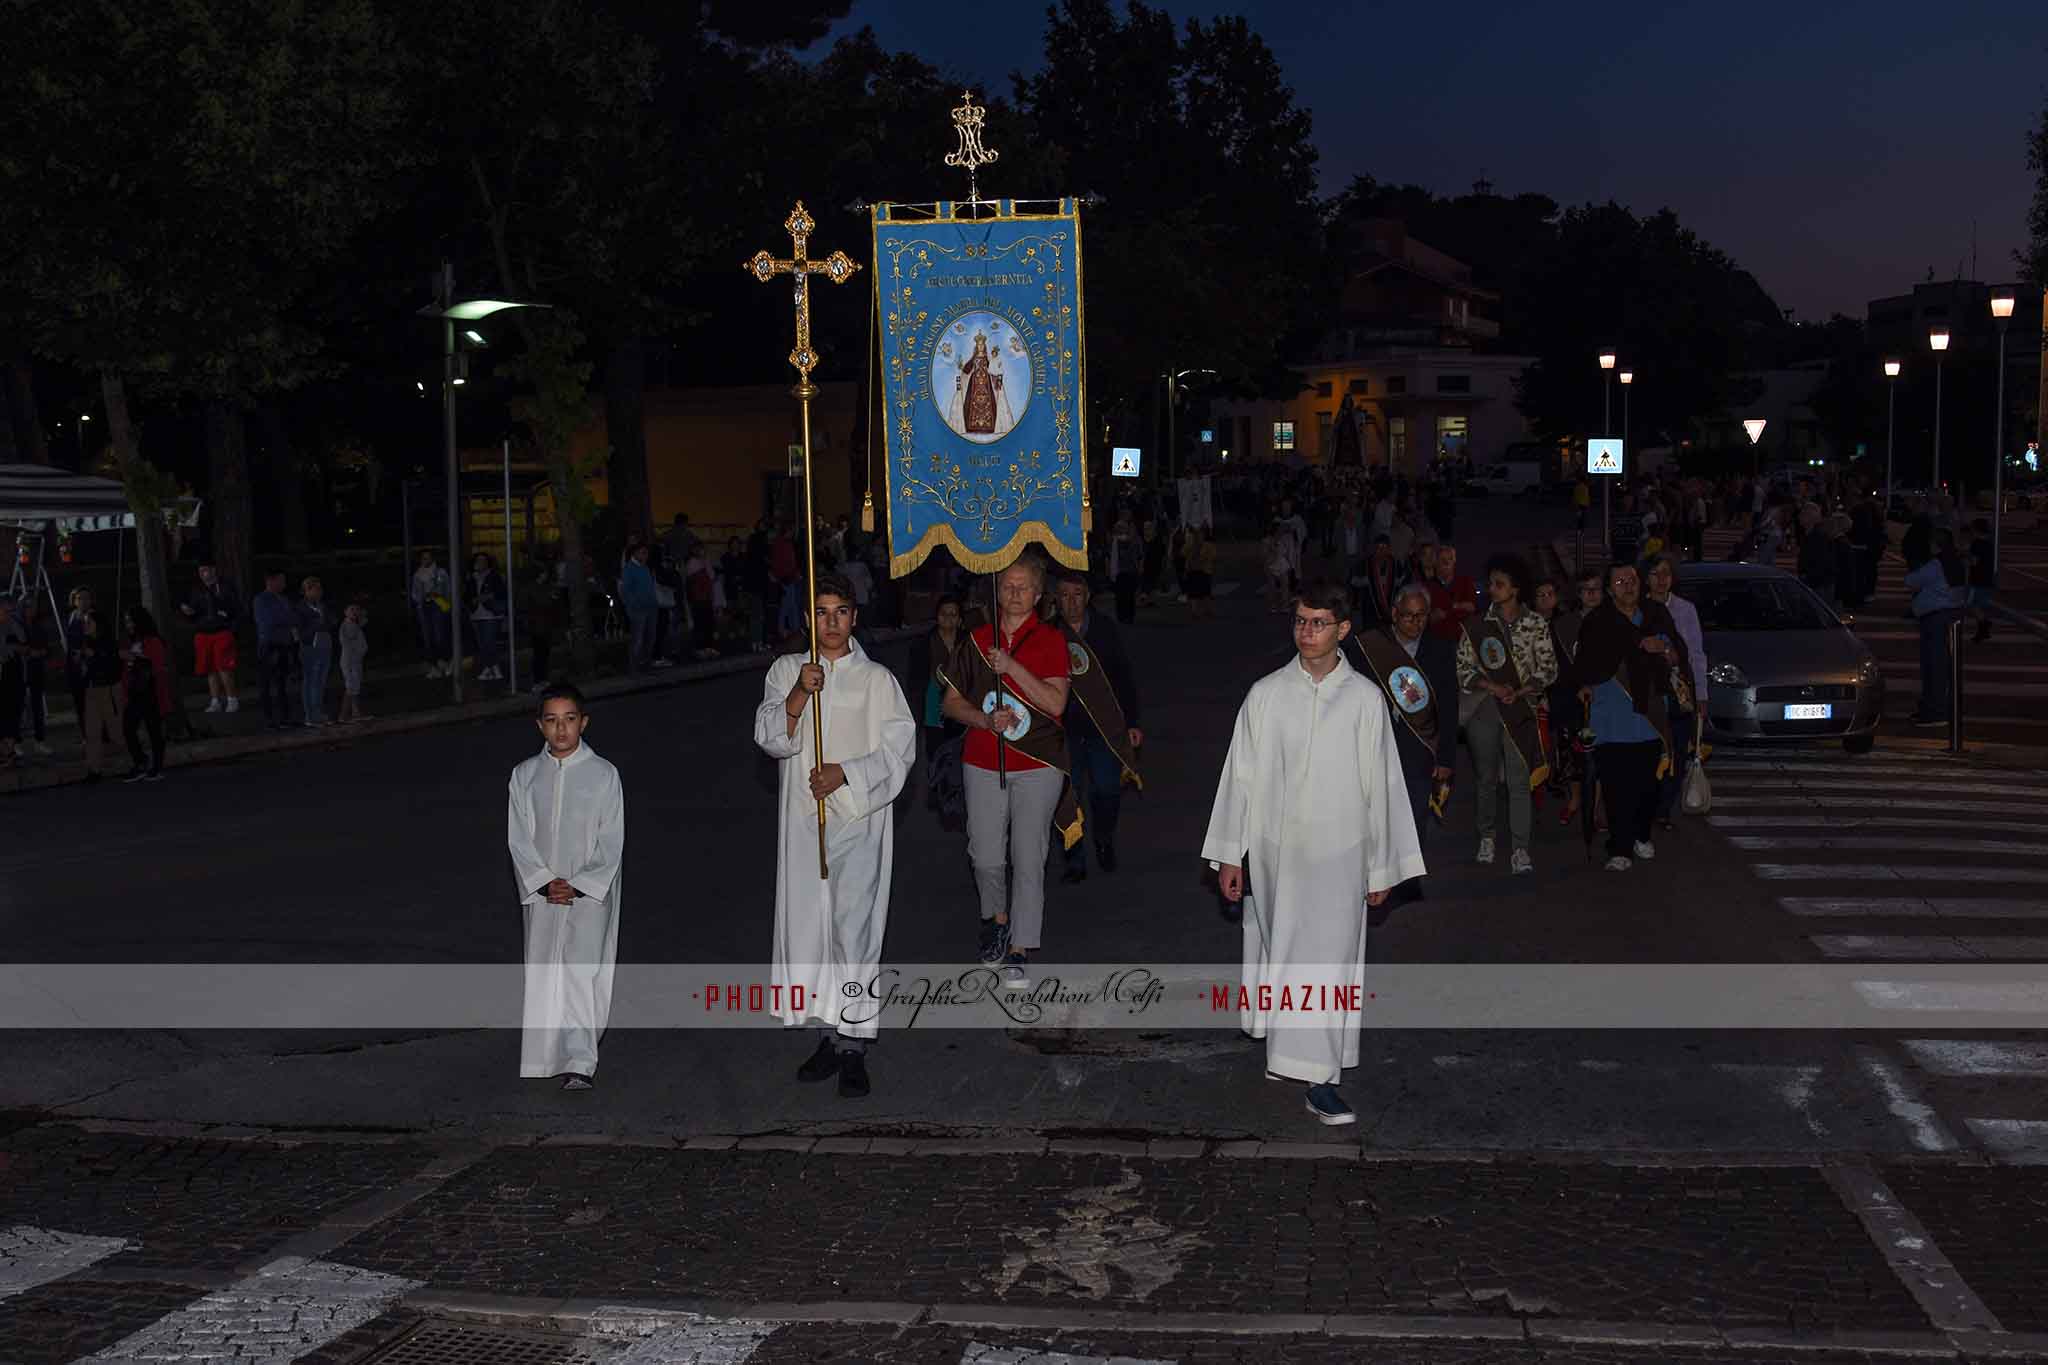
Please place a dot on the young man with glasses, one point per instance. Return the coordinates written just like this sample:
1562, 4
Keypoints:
1311, 827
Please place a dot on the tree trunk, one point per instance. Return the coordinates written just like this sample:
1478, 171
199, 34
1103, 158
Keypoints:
28, 418
228, 500
151, 563
625, 410
291, 482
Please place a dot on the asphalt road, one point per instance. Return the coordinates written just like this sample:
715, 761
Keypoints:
391, 851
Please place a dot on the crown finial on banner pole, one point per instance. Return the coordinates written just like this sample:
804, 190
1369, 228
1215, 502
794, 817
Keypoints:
971, 156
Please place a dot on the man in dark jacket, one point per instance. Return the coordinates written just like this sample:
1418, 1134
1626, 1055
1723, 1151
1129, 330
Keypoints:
1418, 673
1817, 560
1096, 760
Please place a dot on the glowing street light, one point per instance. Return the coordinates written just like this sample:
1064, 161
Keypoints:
2001, 310
1891, 407
1937, 341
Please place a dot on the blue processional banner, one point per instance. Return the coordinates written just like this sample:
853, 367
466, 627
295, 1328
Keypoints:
983, 388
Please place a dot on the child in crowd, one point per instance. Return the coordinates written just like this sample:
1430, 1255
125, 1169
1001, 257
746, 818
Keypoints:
355, 645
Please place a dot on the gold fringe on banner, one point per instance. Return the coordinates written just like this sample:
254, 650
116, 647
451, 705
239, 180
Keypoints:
1087, 512
876, 395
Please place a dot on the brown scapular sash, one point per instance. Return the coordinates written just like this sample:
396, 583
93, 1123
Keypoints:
1045, 741
1518, 717
1383, 658
1089, 685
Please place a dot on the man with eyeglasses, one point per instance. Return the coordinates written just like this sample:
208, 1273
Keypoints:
1418, 673
1311, 827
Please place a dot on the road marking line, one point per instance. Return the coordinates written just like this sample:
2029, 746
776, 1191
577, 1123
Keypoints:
978, 1354
1931, 948
1913, 907
1870, 822
671, 1338
1907, 668
2010, 848
1889, 872
1950, 1304
32, 1256
2004, 691
1828, 804
1922, 1124
1924, 792
288, 1308
1977, 1057
2017, 1142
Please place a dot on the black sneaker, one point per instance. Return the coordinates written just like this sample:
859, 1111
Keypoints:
853, 1075
153, 775
1925, 722
1105, 857
1016, 973
995, 942
1076, 872
823, 1064
139, 775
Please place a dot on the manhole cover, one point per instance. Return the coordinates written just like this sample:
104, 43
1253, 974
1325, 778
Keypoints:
462, 1343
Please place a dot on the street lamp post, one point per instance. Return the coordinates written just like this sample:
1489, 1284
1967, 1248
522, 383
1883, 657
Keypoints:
2001, 309
1937, 339
1607, 359
448, 311
1628, 379
1753, 427
1891, 408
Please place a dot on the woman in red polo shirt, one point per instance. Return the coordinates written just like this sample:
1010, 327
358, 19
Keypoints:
1009, 822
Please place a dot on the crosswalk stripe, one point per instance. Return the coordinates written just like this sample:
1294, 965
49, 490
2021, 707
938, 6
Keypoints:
1923, 1125
288, 1308
1813, 802
2010, 848
2001, 691
1896, 768
1863, 821
2021, 1142
669, 1338
1893, 872
1904, 669
1929, 948
1977, 1057
1913, 907
30, 1256
1936, 996
1927, 789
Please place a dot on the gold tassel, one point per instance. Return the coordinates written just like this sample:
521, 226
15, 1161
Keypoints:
1087, 516
867, 513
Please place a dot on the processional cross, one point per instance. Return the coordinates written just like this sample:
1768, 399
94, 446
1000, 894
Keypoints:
838, 268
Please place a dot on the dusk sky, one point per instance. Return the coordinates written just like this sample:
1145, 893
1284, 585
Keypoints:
1835, 150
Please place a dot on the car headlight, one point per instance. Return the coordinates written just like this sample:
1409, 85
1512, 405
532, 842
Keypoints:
1868, 673
1727, 675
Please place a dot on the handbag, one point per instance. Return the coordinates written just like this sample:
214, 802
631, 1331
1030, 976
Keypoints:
1698, 796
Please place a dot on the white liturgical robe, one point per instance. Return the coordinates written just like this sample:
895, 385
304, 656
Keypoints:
1313, 806
828, 932
567, 820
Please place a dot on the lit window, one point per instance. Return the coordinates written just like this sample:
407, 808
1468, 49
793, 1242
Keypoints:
1283, 435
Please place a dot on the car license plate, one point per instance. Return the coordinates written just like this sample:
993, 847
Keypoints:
1809, 710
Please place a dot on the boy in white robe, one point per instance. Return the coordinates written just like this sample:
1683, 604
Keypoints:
1312, 810
828, 931
566, 828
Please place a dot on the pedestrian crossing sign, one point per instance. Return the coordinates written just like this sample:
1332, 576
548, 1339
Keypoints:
1123, 462
1603, 455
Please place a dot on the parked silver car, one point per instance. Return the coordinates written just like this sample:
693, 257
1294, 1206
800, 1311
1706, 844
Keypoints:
1781, 664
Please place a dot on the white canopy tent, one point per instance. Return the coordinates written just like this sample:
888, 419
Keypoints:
36, 498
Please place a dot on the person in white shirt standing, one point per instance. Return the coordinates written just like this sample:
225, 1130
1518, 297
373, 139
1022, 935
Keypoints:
828, 929
566, 829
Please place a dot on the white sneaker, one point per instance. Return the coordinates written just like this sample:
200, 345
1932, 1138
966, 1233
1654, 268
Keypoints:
1520, 863
1619, 864
433, 670
42, 749
1645, 850
234, 705
213, 706
1485, 854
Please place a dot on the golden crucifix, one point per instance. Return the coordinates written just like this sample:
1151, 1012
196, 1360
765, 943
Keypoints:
838, 268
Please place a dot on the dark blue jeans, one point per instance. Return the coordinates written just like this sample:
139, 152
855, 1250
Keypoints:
1934, 663
1097, 769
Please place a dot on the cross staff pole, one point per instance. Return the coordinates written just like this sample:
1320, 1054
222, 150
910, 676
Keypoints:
838, 268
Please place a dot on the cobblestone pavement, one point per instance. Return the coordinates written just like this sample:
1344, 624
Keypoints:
123, 1247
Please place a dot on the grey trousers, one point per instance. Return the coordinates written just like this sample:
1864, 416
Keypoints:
1008, 829
1493, 757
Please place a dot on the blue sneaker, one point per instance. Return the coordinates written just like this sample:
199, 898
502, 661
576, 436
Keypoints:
1328, 1106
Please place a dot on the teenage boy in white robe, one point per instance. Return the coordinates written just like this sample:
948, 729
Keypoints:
828, 931
1311, 826
566, 828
